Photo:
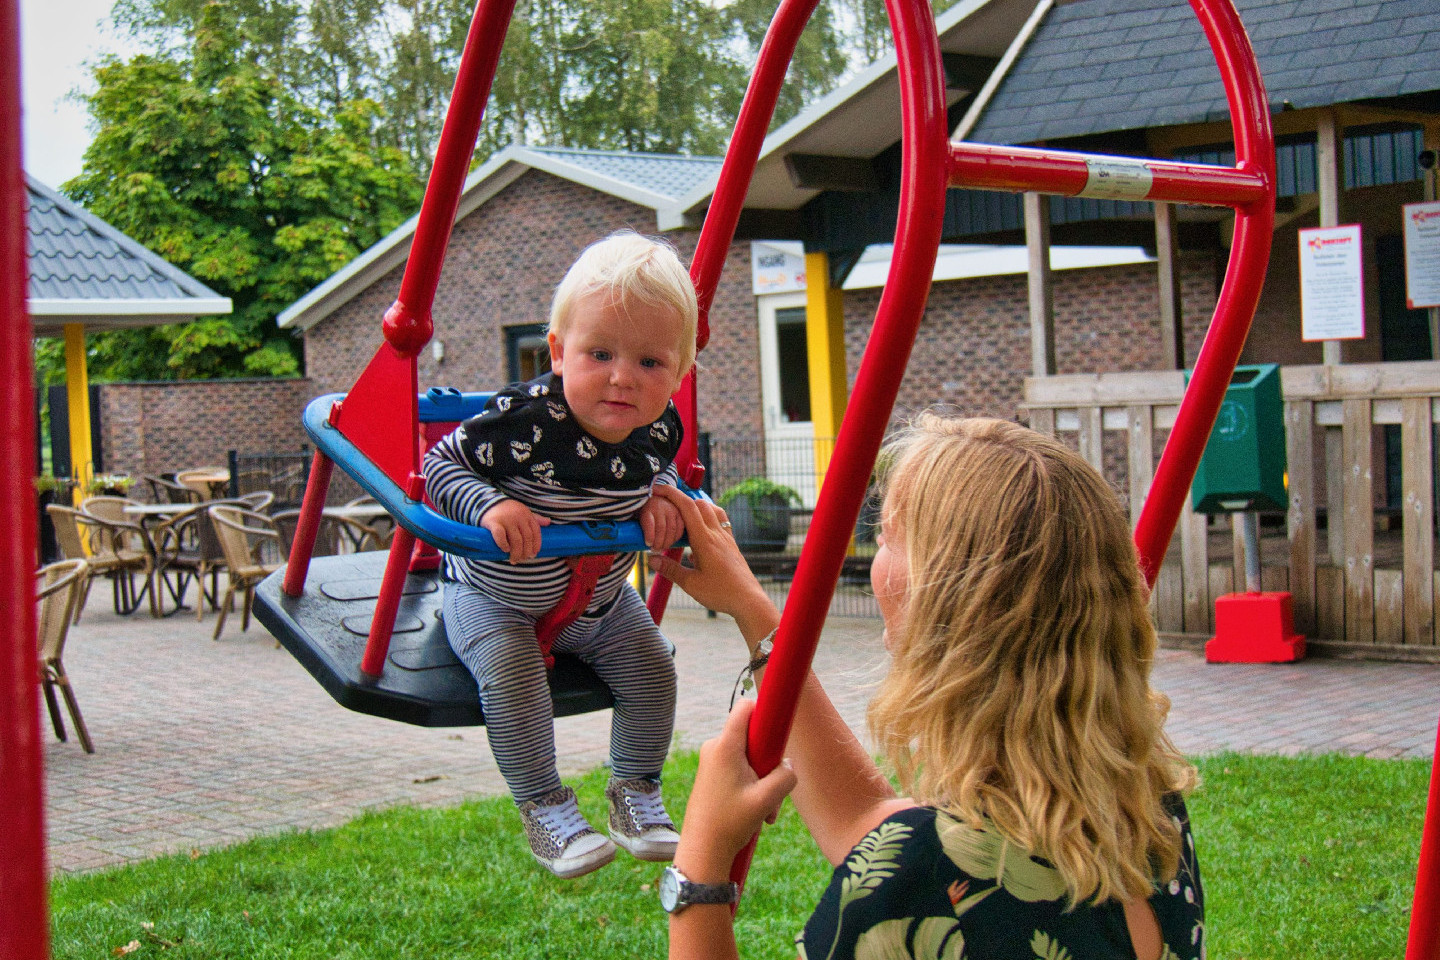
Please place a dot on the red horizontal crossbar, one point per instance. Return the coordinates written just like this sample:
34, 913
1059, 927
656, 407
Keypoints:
983, 166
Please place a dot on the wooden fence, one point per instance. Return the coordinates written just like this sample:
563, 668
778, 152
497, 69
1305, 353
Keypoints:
1360, 566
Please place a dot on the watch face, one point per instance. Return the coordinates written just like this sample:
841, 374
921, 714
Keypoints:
669, 889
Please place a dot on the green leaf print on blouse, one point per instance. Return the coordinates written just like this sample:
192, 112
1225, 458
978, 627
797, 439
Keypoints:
873, 860
985, 854
936, 938
1047, 948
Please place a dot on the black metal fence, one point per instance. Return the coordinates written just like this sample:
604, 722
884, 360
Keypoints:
283, 474
768, 487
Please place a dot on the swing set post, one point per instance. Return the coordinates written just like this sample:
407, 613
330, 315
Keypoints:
24, 923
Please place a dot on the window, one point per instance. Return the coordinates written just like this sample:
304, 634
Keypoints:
527, 352
793, 354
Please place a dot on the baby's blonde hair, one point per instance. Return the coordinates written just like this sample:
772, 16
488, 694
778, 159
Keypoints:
641, 273
1019, 689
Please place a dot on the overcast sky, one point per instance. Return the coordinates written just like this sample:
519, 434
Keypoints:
56, 38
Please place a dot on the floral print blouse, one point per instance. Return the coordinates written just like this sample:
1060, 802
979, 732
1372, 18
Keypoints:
924, 885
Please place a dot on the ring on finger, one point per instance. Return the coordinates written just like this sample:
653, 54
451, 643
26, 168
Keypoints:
724, 524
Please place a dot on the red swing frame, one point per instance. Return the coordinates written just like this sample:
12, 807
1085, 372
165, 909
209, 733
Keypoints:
931, 164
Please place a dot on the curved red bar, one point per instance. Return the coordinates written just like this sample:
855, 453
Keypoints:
1239, 294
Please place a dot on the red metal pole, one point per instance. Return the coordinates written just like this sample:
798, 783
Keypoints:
924, 176
983, 166
1239, 294
1423, 942
302, 545
407, 325
720, 220
24, 924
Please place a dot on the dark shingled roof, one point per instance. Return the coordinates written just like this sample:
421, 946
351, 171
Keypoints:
73, 255
669, 175
1099, 66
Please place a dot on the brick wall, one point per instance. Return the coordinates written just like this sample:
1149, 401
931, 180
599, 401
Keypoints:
504, 262
161, 426
972, 352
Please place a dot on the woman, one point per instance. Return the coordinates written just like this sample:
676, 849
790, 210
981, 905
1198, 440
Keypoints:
1045, 815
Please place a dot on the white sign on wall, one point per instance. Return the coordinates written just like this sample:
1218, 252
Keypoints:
1422, 254
777, 267
1332, 296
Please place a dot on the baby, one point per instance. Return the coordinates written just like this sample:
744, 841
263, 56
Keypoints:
583, 442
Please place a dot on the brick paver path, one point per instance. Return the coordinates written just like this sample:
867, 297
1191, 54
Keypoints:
202, 743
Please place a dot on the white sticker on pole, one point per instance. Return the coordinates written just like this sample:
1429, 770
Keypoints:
1422, 254
1332, 296
1115, 179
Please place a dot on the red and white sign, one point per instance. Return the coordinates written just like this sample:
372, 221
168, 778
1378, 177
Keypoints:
1422, 254
1332, 294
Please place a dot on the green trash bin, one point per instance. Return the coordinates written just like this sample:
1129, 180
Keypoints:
1243, 468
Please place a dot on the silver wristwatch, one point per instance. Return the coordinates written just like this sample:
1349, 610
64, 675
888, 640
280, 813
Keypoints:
677, 893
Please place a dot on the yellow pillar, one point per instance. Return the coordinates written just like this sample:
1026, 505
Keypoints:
77, 392
825, 347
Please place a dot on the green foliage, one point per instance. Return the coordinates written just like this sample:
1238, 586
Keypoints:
755, 489
210, 162
1301, 856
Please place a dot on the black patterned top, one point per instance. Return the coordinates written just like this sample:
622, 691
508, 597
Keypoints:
924, 885
526, 445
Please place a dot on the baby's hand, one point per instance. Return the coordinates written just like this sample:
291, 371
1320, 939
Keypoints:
516, 529
661, 523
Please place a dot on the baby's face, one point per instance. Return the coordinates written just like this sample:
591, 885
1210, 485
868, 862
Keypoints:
619, 367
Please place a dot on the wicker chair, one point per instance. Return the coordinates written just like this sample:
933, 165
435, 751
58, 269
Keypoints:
61, 587
132, 544
85, 537
168, 491
383, 524
244, 537
335, 535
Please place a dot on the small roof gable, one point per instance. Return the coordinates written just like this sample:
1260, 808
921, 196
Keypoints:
645, 179
83, 270
860, 119
1100, 66
669, 176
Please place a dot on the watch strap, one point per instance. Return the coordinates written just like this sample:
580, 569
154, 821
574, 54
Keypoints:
692, 892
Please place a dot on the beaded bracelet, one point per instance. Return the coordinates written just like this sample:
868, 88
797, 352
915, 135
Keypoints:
746, 681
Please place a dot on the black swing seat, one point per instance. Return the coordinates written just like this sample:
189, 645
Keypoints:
422, 682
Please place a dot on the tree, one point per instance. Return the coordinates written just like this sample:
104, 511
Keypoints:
652, 75
209, 161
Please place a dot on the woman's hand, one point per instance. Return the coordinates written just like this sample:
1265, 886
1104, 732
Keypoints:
717, 575
728, 803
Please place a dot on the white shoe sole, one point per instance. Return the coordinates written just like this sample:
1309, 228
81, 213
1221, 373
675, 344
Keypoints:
654, 851
567, 867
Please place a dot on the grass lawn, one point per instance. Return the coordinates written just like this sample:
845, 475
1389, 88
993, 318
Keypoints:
1310, 856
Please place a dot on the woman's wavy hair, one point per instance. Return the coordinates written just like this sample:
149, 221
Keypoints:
1019, 688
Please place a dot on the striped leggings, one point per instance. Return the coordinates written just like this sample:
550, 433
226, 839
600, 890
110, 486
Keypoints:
624, 647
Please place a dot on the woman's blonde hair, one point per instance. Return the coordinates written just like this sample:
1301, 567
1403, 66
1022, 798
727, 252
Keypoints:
1019, 688
642, 273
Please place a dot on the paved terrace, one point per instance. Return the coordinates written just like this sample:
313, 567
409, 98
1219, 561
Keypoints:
202, 743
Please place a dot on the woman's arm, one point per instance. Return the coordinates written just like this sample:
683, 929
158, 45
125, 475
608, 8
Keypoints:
841, 794
725, 810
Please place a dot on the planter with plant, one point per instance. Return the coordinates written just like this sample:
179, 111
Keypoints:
759, 511
109, 484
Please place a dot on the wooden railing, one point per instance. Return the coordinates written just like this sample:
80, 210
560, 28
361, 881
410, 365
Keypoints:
1360, 574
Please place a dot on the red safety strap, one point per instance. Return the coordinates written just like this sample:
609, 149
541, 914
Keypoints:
584, 573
